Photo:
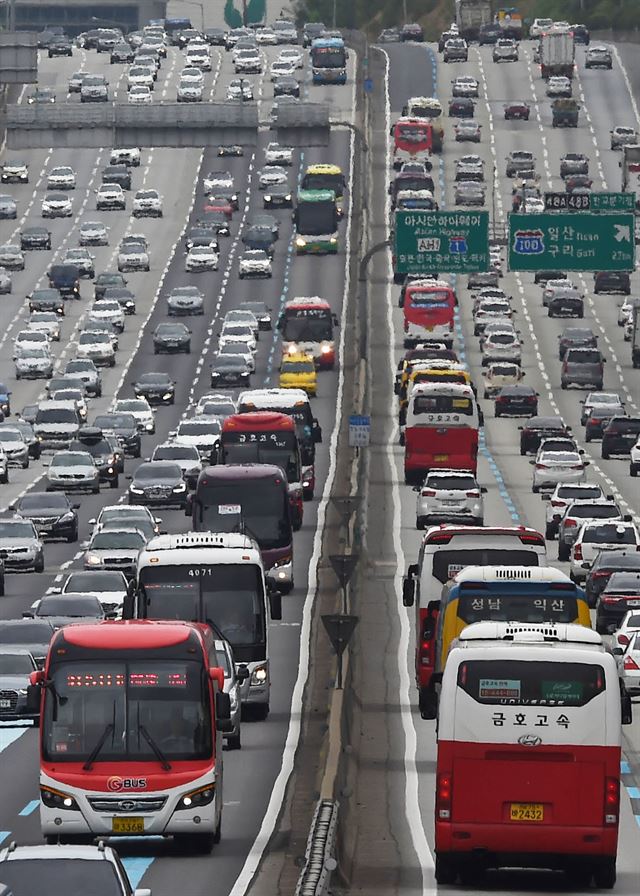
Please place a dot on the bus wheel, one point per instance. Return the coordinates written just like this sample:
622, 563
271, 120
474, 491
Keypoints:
445, 869
428, 703
604, 874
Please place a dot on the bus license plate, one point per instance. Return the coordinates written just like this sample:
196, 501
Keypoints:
441, 457
127, 825
527, 812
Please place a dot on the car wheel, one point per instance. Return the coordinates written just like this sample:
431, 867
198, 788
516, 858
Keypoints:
25, 464
633, 471
605, 454
535, 489
39, 566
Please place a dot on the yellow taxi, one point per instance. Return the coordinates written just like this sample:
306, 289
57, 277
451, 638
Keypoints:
298, 371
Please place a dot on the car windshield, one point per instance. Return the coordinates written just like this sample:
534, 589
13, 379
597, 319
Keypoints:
116, 421
132, 405
96, 580
210, 427
152, 472
15, 664
154, 379
176, 452
69, 606
583, 356
40, 501
453, 483
114, 540
25, 632
593, 511
10, 435
72, 459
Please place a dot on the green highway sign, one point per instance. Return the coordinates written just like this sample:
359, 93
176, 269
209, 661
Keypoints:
613, 202
572, 242
441, 242
589, 202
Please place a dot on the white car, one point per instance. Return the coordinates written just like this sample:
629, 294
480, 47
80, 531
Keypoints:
593, 537
292, 56
281, 68
634, 459
553, 467
623, 136
57, 205
565, 495
200, 432
140, 75
199, 57
108, 311
189, 92
82, 259
97, 347
246, 318
499, 374
140, 409
240, 89
33, 362
238, 332
124, 516
501, 345
129, 156
559, 86
538, 27
61, 178
449, 496
15, 448
73, 471
191, 74
29, 339
248, 62
201, 258
629, 307
271, 175
266, 37
224, 405
110, 196
6, 283
275, 154
239, 348
12, 257
140, 95
93, 233
629, 626
217, 179
147, 204
133, 256
45, 322
254, 263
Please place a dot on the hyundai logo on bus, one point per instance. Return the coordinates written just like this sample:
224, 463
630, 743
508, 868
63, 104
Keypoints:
530, 740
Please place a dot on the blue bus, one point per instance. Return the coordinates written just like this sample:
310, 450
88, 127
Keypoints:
329, 60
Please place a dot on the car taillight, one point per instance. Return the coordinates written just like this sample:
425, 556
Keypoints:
443, 797
569, 523
611, 800
593, 421
541, 467
575, 467
557, 504
475, 494
610, 599
577, 552
622, 639
428, 493
599, 575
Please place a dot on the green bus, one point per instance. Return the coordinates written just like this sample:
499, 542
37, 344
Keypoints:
316, 219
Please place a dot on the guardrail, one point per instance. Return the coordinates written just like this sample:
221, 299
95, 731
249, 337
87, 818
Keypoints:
319, 863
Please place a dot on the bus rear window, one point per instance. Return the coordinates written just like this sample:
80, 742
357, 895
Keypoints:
517, 608
530, 683
447, 564
429, 299
442, 404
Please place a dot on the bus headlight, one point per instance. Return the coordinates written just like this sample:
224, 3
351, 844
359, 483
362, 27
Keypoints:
196, 798
293, 349
325, 349
300, 242
333, 240
259, 676
57, 799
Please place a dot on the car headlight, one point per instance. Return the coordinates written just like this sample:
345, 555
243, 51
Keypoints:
166, 396
66, 517
149, 426
267, 197
135, 490
57, 799
93, 560
196, 798
259, 676
180, 488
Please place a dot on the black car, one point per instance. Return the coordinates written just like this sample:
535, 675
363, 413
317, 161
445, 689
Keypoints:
158, 483
230, 370
117, 174
541, 277
105, 280
278, 196
519, 400
157, 387
215, 37
217, 222
461, 107
66, 279
29, 413
621, 593
538, 428
482, 279
32, 635
489, 34
581, 35
612, 282
125, 428
92, 440
35, 238
575, 337
46, 299
53, 515
259, 238
619, 436
200, 236
411, 31
286, 85
60, 46
605, 564
596, 422
171, 337
122, 52
566, 303
261, 311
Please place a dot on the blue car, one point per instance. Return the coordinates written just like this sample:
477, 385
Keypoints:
5, 402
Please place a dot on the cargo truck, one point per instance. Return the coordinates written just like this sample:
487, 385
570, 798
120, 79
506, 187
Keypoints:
471, 16
635, 339
557, 54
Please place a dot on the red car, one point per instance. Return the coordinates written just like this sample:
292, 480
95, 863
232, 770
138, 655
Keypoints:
219, 204
518, 109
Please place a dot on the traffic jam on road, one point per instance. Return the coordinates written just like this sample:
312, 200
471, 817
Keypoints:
169, 398
518, 434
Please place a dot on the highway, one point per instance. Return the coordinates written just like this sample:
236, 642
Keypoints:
406, 750
256, 776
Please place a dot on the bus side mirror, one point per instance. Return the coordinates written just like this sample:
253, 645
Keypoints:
336, 322
128, 605
625, 706
409, 585
317, 431
217, 674
223, 711
275, 604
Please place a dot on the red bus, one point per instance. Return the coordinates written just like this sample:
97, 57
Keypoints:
412, 141
306, 325
429, 311
131, 720
253, 499
266, 437
441, 430
528, 762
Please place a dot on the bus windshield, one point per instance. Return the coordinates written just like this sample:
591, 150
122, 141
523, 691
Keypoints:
125, 709
260, 506
279, 448
227, 596
311, 324
531, 682
323, 181
316, 217
328, 57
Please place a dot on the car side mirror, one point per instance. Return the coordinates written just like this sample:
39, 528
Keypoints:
484, 490
626, 712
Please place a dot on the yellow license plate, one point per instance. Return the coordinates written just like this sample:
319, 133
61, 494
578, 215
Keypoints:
527, 812
441, 457
127, 825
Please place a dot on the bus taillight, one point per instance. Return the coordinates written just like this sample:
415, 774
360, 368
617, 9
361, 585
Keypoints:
443, 797
611, 800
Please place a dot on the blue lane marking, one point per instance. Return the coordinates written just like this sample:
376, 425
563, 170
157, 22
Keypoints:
30, 807
136, 868
625, 768
634, 792
4, 835
10, 735
637, 818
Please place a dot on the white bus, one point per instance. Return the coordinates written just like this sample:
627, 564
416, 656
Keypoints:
217, 578
528, 762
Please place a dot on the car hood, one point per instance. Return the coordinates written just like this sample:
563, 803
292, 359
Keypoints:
13, 682
71, 471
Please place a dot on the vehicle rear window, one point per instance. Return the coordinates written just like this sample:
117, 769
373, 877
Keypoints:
568, 491
530, 683
594, 511
610, 534
442, 404
584, 357
447, 564
456, 483
627, 425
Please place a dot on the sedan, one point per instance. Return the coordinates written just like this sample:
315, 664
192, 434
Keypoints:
278, 196
623, 136
620, 595
110, 196
286, 85
254, 263
46, 322
271, 175
97, 347
469, 192
67, 610
61, 178
73, 471
518, 110
114, 549
201, 258
461, 107
185, 301
35, 238
125, 429
16, 666
57, 205
229, 371
553, 467
33, 363
158, 483
470, 167
628, 657
465, 85
21, 548
93, 233
8, 208
33, 637
521, 401
171, 337
468, 131
275, 154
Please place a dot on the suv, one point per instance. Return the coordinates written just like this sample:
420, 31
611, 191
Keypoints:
598, 57
619, 436
612, 282
518, 161
578, 513
56, 424
449, 496
583, 367
565, 494
66, 279
456, 50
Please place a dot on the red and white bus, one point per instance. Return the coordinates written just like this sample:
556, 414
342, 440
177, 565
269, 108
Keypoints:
444, 552
528, 762
441, 429
131, 720
252, 499
266, 437
429, 312
412, 141
306, 325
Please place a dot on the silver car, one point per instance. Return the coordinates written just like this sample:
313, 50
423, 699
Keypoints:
449, 496
575, 515
16, 665
234, 677
33, 362
73, 471
20, 546
185, 300
114, 549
